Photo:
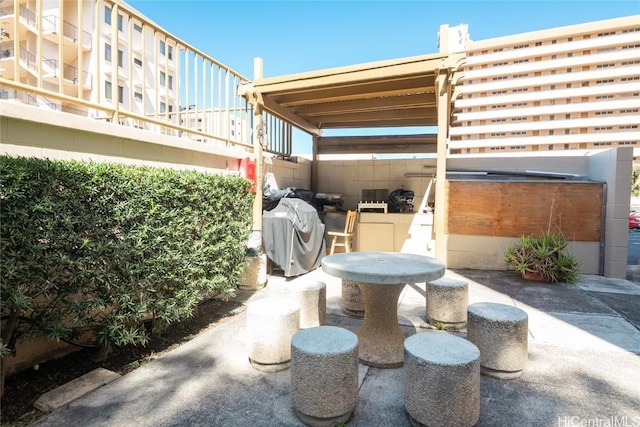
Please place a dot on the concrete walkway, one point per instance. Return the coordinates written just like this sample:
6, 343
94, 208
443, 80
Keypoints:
583, 368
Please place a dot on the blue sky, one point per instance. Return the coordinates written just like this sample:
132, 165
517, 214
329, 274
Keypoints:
297, 36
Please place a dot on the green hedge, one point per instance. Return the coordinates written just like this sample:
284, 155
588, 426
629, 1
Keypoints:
94, 247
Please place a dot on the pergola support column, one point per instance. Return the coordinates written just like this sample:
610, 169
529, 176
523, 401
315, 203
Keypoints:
442, 93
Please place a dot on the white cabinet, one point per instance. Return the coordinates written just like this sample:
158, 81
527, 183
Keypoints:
396, 232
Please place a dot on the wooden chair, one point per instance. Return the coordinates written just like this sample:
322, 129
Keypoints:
346, 235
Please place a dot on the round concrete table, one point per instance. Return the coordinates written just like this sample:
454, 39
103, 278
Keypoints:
381, 277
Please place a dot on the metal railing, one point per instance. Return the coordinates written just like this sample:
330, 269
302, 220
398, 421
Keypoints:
6, 7
52, 23
165, 85
28, 15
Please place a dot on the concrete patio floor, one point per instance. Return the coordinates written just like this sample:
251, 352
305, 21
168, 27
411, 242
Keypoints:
583, 367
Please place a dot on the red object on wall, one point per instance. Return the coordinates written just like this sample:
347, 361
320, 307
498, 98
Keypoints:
248, 170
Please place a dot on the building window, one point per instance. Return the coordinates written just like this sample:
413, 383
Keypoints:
137, 27
107, 90
120, 58
163, 107
107, 15
163, 78
137, 95
120, 22
163, 47
120, 94
137, 61
170, 52
107, 52
171, 82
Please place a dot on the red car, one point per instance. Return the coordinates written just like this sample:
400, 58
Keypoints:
634, 221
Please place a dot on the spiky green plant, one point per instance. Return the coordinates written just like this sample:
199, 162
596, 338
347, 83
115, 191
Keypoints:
544, 255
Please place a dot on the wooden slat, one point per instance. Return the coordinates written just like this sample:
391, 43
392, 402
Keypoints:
511, 209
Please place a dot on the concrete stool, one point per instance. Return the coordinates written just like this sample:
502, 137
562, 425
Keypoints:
446, 301
441, 380
313, 304
501, 333
324, 375
271, 322
352, 300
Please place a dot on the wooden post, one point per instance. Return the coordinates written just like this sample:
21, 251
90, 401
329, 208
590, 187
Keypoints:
258, 135
314, 164
439, 218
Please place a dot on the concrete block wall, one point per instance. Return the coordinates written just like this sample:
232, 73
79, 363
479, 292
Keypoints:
483, 252
614, 167
350, 177
294, 173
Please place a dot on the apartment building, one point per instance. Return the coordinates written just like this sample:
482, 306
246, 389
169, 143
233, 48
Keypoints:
104, 60
567, 88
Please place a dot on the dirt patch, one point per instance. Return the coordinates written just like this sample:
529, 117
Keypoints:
23, 388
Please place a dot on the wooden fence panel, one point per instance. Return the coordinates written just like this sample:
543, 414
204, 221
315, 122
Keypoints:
511, 209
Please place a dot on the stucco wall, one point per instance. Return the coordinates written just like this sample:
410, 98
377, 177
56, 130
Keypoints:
35, 132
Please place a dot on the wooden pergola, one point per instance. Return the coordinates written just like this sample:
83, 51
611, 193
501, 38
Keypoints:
397, 93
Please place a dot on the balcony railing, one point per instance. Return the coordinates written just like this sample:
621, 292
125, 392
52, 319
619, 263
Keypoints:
51, 23
69, 72
199, 81
28, 15
6, 7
